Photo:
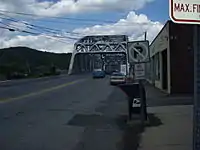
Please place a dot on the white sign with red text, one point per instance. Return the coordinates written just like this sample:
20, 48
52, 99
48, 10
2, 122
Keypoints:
185, 11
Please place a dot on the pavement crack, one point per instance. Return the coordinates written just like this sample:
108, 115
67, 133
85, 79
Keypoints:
57, 109
6, 117
19, 113
96, 121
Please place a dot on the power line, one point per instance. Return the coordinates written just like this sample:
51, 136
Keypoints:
19, 21
7, 28
16, 29
11, 27
29, 26
32, 33
59, 36
71, 19
61, 18
49, 37
36, 27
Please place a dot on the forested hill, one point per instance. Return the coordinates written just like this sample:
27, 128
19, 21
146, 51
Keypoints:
24, 59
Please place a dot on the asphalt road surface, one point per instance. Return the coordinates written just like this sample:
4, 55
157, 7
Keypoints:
70, 113
61, 113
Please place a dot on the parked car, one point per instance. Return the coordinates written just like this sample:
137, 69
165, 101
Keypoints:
117, 78
98, 73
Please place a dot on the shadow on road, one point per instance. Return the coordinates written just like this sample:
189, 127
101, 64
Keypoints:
133, 129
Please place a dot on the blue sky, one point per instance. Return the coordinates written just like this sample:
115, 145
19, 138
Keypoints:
154, 15
155, 11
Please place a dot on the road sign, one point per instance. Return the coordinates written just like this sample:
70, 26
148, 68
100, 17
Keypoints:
123, 69
138, 51
139, 71
185, 11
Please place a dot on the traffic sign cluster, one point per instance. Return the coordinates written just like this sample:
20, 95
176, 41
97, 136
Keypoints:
138, 52
138, 55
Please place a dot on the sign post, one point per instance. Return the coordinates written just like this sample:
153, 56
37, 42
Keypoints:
138, 53
196, 112
188, 11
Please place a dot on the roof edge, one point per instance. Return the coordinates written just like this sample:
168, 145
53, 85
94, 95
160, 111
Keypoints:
169, 21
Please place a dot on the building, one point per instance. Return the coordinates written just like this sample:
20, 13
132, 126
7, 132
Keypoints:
171, 55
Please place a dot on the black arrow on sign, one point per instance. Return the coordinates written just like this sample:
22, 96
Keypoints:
140, 49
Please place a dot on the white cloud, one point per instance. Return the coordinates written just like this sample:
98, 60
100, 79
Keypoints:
40, 43
62, 7
18, 25
133, 25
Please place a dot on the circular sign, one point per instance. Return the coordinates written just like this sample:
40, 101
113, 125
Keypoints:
138, 52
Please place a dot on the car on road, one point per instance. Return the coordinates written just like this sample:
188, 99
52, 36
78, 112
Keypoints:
98, 73
117, 78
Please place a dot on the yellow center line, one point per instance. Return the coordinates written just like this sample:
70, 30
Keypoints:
39, 92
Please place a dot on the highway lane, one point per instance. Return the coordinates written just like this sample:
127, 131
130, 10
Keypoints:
16, 88
66, 113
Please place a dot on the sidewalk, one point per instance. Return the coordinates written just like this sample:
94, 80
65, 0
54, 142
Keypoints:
155, 97
175, 128
175, 131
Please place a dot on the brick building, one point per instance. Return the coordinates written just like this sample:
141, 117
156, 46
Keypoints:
171, 65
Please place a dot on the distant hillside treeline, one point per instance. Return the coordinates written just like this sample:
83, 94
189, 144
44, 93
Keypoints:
23, 60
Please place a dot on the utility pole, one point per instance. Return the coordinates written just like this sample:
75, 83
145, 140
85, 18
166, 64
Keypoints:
196, 110
145, 35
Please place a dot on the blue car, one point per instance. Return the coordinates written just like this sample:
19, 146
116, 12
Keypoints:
98, 73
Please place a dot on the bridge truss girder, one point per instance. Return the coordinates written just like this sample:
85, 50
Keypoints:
92, 50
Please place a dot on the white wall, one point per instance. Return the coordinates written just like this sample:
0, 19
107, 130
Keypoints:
161, 41
160, 44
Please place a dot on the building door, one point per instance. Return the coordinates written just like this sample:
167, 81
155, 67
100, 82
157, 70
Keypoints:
164, 70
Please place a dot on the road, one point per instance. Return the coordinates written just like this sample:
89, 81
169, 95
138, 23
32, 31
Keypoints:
61, 113
70, 113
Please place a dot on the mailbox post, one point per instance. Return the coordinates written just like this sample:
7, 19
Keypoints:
135, 90
143, 110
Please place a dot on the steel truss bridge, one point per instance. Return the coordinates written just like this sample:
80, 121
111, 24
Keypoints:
98, 52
